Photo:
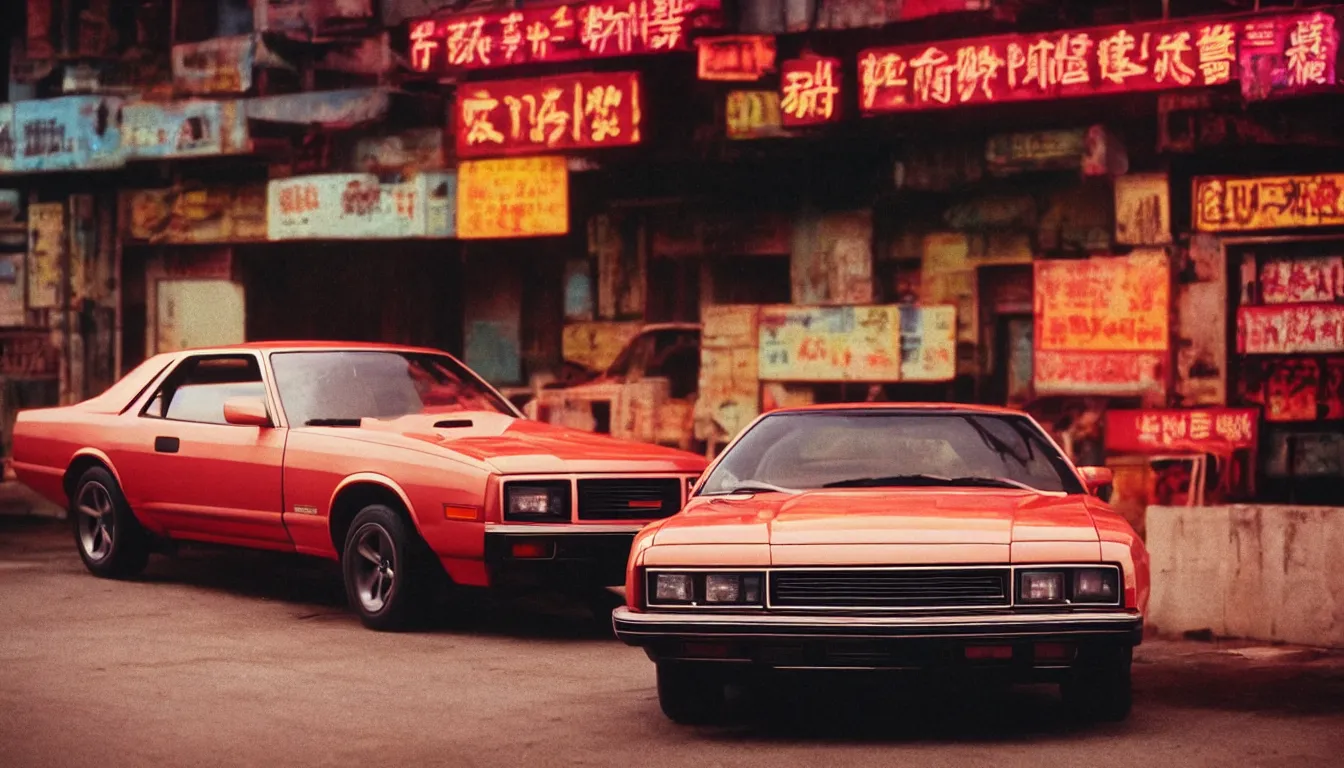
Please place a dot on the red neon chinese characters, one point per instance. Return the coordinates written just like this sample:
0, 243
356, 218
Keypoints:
562, 112
809, 89
1163, 55
1212, 430
558, 33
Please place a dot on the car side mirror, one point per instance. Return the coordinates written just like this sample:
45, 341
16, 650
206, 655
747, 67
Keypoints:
246, 412
1098, 480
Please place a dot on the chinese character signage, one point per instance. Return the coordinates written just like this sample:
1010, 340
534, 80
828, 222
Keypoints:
753, 115
67, 133
8, 138
1101, 324
556, 33
197, 215
1206, 430
219, 66
740, 58
874, 343
357, 206
576, 111
183, 129
513, 197
1287, 329
1142, 209
1302, 281
809, 91
1165, 55
1288, 54
1244, 204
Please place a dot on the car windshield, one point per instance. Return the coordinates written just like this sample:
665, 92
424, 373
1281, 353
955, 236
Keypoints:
339, 388
850, 449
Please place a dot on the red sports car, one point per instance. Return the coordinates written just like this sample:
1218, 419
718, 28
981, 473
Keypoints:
886, 537
397, 461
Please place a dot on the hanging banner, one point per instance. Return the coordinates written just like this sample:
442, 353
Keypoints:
1218, 431
873, 343
183, 129
735, 58
579, 111
197, 215
219, 66
46, 249
68, 133
1244, 204
1159, 55
357, 206
556, 33
1101, 325
513, 197
1288, 329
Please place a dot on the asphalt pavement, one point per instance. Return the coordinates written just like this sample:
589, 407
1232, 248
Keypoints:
247, 659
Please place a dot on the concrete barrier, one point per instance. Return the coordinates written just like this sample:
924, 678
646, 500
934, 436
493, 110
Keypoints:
1268, 573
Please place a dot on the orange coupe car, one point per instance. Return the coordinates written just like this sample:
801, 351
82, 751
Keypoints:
397, 461
888, 537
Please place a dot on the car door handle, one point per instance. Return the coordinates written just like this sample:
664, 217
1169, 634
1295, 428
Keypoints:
167, 444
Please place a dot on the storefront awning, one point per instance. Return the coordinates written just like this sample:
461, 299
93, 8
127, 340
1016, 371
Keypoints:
330, 109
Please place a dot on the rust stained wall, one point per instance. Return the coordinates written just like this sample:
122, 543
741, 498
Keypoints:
1201, 324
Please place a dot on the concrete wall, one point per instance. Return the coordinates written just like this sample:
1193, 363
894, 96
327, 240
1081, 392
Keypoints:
1258, 572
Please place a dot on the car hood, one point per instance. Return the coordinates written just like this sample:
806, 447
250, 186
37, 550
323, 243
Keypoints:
887, 516
510, 445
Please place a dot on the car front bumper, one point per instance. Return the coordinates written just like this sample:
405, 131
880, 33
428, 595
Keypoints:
906, 641
561, 556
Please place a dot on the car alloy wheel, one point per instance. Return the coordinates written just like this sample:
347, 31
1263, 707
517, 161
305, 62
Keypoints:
97, 521
375, 568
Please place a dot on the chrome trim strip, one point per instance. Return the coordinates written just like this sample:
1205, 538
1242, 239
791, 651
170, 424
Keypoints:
560, 529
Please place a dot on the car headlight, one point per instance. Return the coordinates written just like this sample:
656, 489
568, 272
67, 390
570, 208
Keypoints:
548, 500
1073, 586
718, 589
1095, 585
1042, 587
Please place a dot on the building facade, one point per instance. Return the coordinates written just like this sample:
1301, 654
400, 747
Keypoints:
660, 218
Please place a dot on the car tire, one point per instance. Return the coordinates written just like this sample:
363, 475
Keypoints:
691, 694
1101, 691
383, 565
110, 540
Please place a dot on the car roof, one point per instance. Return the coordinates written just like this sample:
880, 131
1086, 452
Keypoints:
310, 346
913, 407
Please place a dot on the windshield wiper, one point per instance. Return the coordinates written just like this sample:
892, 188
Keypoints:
333, 422
752, 487
925, 479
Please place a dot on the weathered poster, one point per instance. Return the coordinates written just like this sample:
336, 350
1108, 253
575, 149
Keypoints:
1142, 209
67, 133
832, 258
1201, 324
872, 343
729, 388
596, 344
8, 138
513, 197
342, 206
1290, 329
222, 65
183, 129
196, 215
1302, 281
1218, 431
46, 252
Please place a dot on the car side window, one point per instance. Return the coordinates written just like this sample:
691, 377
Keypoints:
198, 389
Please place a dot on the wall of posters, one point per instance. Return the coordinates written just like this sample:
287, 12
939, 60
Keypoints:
67, 133
338, 206
729, 390
196, 215
872, 343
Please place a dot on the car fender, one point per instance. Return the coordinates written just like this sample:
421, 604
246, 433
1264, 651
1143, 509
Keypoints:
377, 479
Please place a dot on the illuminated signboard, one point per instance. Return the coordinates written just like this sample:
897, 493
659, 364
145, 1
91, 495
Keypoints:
736, 58
557, 33
1245, 204
1165, 55
548, 114
809, 91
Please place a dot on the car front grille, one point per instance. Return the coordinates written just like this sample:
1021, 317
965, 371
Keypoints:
629, 498
896, 588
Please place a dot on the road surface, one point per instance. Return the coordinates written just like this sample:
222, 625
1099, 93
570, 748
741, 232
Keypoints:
233, 659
